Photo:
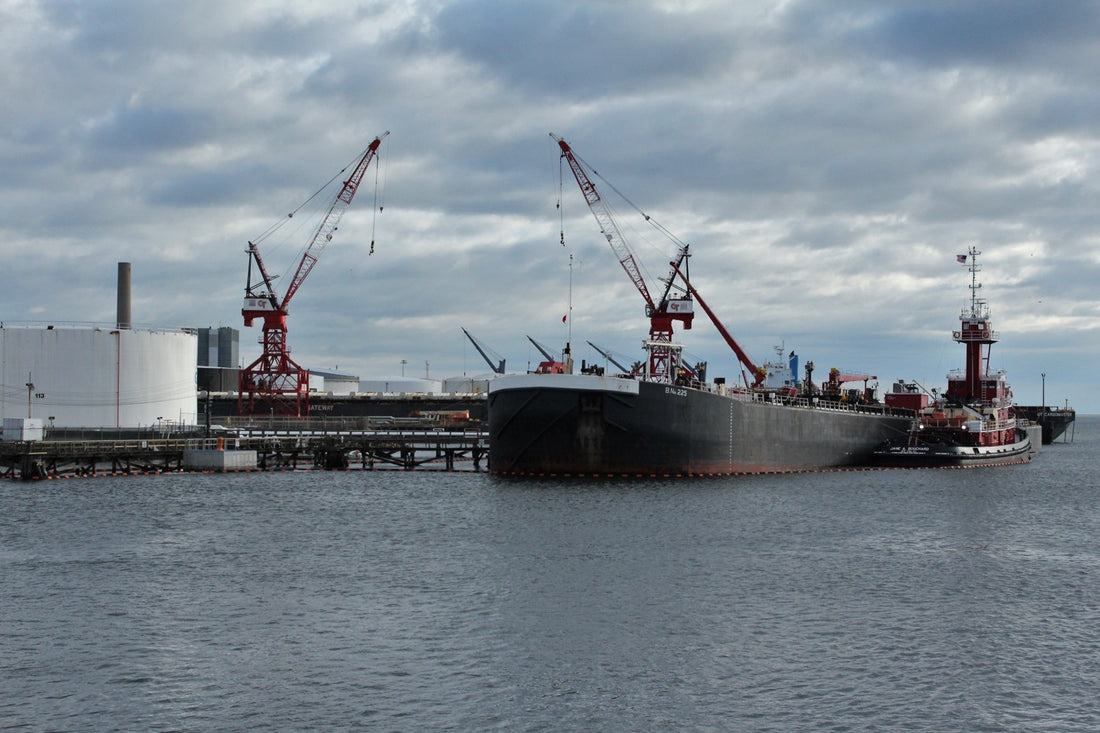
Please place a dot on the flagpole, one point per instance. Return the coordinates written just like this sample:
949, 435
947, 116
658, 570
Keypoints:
569, 321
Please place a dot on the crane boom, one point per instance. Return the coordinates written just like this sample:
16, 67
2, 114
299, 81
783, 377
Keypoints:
550, 365
497, 368
328, 225
757, 373
606, 222
607, 355
664, 356
542, 349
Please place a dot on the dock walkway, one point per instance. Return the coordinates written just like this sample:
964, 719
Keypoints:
277, 447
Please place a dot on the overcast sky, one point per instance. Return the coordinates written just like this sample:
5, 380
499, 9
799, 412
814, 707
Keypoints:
826, 161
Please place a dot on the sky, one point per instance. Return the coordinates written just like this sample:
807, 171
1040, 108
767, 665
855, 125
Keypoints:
825, 160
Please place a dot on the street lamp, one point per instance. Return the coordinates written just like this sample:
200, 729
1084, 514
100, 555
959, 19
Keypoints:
1044, 401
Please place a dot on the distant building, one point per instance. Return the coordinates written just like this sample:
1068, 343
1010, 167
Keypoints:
219, 359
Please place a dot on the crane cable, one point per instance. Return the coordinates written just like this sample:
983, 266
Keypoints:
279, 224
680, 244
379, 198
656, 225
561, 190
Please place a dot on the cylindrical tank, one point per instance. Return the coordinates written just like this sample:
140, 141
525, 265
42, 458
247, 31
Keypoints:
99, 377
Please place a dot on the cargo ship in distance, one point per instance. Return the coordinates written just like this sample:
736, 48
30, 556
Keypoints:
974, 422
1054, 421
664, 417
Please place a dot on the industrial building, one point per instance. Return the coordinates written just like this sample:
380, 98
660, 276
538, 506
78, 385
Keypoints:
219, 359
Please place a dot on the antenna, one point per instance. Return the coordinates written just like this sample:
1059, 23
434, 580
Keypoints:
977, 305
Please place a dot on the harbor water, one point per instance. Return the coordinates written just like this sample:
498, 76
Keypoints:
938, 600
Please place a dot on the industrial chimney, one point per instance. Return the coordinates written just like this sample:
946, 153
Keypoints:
124, 296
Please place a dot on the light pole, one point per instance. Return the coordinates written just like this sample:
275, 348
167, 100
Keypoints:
1044, 401
403, 363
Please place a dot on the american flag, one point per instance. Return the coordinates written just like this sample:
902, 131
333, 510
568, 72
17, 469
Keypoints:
960, 259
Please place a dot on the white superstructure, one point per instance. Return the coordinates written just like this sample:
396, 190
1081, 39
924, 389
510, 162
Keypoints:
98, 377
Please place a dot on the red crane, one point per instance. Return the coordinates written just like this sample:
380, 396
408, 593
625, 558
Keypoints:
663, 355
274, 383
758, 374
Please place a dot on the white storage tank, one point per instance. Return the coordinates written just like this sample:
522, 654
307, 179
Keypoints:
99, 377
399, 385
333, 383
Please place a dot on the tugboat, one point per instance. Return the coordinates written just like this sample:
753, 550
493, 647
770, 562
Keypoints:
974, 422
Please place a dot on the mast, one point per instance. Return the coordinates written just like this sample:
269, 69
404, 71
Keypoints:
976, 333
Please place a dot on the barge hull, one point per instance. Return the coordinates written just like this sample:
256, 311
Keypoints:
595, 425
1054, 420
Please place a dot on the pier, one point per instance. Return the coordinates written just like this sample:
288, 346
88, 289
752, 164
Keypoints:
278, 445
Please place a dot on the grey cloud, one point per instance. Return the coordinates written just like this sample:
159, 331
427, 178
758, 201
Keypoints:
581, 50
825, 159
975, 31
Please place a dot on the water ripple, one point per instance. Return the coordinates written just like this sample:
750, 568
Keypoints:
958, 600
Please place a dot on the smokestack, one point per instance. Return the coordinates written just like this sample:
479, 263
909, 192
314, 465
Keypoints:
124, 296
